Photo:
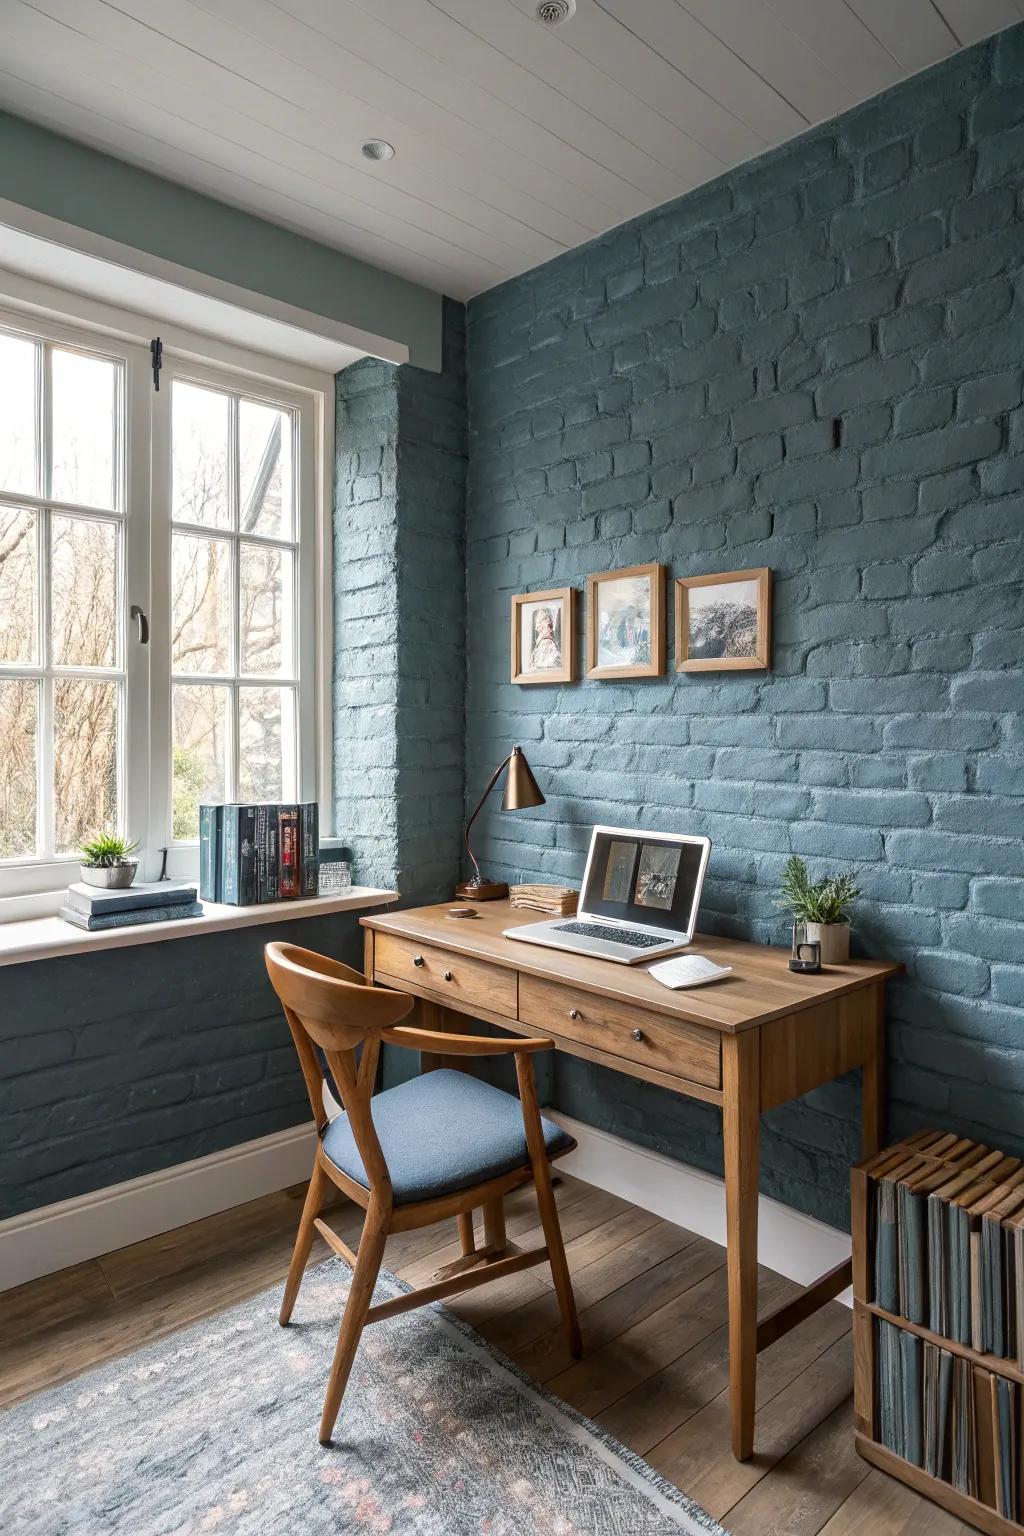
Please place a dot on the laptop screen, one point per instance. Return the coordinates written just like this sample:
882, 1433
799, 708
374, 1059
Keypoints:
653, 882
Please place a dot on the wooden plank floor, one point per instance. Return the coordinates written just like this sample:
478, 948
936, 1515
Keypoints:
652, 1301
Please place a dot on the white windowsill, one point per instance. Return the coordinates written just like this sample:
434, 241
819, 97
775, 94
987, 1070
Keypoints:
40, 938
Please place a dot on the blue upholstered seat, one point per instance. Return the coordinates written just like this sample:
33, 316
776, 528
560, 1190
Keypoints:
441, 1133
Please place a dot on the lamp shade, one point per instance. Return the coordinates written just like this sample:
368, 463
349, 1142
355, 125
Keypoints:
521, 788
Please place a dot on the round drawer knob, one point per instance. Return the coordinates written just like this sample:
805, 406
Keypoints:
574, 1013
638, 1035
447, 975
417, 959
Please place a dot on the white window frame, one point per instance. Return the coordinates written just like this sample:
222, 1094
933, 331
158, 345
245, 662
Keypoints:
32, 886
181, 858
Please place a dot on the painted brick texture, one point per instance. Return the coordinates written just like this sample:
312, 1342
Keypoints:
399, 598
667, 393
119, 1062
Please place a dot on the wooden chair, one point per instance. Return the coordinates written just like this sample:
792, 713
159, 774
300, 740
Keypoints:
440, 1145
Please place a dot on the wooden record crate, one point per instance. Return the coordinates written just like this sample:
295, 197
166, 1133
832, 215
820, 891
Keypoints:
942, 1147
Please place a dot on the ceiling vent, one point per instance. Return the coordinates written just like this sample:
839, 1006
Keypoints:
554, 12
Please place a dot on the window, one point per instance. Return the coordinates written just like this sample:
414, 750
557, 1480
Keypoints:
62, 554
189, 511
234, 566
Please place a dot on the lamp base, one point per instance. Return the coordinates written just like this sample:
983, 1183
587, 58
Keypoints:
486, 890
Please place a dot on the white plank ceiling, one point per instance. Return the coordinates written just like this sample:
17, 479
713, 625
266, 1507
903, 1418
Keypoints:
514, 140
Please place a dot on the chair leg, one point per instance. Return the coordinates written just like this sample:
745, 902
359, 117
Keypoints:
494, 1226
546, 1204
364, 1278
319, 1185
467, 1238
557, 1260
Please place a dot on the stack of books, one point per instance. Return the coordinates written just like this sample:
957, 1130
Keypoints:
256, 853
946, 1216
557, 900
162, 901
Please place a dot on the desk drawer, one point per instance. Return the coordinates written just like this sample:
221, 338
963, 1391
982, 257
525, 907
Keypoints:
442, 971
684, 1050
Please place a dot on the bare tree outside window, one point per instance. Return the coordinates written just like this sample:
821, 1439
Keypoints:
233, 601
66, 650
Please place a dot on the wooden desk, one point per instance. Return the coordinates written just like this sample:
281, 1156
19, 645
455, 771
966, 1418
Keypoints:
748, 1043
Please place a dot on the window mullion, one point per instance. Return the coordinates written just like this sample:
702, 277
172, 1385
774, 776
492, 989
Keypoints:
46, 820
234, 484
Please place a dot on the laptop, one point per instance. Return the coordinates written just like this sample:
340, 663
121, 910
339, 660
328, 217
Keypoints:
639, 901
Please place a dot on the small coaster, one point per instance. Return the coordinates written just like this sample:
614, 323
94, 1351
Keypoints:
461, 912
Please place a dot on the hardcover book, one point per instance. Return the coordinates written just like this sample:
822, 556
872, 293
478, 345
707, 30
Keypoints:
131, 919
157, 893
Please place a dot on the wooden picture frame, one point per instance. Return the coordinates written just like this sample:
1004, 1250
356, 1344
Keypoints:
602, 660
525, 608
754, 642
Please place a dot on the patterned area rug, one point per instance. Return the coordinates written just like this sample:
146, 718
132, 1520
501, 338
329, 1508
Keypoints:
214, 1429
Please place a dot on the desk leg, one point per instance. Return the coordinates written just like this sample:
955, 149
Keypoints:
873, 1074
741, 1112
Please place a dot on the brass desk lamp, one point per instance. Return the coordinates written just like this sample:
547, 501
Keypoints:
521, 793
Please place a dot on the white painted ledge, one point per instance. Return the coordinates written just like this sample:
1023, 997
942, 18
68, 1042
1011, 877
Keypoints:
41, 938
790, 1243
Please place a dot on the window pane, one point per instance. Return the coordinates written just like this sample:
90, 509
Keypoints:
84, 407
265, 470
199, 437
18, 626
201, 724
18, 414
83, 585
18, 712
267, 585
84, 759
200, 604
266, 743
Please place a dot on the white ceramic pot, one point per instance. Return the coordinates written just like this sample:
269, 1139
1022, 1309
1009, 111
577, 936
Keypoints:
834, 939
110, 877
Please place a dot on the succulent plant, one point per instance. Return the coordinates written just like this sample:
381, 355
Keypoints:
106, 851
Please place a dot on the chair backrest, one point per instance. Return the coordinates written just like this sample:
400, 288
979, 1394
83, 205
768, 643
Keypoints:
328, 1005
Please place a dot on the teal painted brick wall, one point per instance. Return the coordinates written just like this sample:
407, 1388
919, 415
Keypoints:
119, 1062
667, 393
399, 600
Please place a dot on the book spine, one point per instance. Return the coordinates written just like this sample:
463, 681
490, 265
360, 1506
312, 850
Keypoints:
209, 852
134, 919
266, 856
247, 855
309, 837
289, 883
229, 871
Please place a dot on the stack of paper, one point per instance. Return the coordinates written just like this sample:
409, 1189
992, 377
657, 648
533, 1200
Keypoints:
557, 900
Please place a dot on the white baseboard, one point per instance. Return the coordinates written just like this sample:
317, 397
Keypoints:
72, 1231
789, 1242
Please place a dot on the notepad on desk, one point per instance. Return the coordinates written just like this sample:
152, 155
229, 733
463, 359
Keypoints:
688, 971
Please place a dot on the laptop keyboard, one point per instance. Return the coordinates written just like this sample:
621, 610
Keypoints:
628, 936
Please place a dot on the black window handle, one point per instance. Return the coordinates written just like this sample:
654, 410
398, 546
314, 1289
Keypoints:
139, 613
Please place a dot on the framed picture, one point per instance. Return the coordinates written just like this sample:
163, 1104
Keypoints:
544, 637
626, 622
724, 622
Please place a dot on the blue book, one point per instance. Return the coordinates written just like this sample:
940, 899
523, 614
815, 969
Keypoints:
95, 902
238, 855
309, 847
209, 852
131, 919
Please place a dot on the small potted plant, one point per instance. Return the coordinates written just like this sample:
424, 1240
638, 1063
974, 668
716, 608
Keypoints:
821, 909
107, 862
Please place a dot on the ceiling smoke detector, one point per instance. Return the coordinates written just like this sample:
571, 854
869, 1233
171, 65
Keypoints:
378, 149
553, 13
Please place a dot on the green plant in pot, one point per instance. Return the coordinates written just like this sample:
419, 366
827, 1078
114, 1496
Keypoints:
821, 908
107, 861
